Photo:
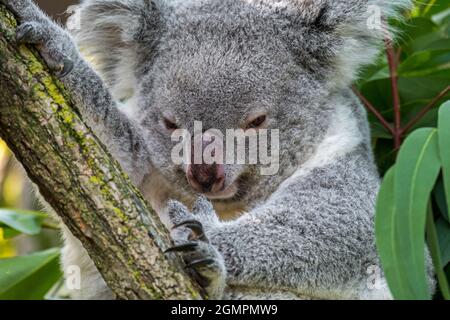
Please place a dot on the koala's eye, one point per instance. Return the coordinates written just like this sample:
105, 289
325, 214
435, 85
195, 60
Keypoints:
257, 122
170, 124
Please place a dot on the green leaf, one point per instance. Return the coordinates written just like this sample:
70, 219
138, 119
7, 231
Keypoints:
22, 221
416, 172
380, 132
443, 231
422, 88
444, 146
385, 233
436, 6
29, 277
441, 201
401, 215
436, 254
9, 233
442, 16
425, 63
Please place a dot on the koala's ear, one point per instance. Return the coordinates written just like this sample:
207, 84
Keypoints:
335, 38
111, 33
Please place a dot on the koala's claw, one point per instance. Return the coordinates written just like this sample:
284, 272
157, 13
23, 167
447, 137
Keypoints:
196, 227
187, 247
24, 33
67, 68
202, 260
200, 263
51, 41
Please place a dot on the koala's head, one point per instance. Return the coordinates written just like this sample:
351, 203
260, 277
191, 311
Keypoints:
230, 64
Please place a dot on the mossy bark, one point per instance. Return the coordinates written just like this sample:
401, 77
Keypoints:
81, 181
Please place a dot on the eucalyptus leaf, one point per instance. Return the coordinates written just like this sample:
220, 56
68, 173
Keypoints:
443, 232
417, 169
386, 235
29, 277
436, 254
27, 222
444, 146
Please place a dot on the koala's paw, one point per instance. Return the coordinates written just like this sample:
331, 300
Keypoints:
51, 49
202, 259
53, 43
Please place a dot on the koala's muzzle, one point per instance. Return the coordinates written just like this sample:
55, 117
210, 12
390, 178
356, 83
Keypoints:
206, 178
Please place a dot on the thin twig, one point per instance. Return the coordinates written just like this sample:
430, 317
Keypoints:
392, 61
372, 109
425, 110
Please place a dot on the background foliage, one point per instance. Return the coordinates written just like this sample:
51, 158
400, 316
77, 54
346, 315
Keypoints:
402, 91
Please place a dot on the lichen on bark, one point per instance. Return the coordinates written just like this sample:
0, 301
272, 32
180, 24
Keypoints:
80, 180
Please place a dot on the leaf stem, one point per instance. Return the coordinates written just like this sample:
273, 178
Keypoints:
393, 63
425, 110
373, 110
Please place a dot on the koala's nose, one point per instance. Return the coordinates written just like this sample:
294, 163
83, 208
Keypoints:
206, 178
203, 177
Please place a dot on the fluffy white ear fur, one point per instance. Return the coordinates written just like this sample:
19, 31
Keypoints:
363, 35
111, 29
358, 24
361, 25
108, 33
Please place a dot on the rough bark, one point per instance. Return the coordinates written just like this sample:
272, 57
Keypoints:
81, 181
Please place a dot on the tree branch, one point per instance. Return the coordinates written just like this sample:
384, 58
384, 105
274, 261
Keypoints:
81, 181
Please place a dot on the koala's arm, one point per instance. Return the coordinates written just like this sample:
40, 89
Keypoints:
315, 236
88, 91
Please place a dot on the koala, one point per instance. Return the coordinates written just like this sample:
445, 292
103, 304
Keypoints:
139, 70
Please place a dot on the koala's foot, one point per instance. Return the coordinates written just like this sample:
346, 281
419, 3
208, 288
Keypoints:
53, 42
38, 34
202, 259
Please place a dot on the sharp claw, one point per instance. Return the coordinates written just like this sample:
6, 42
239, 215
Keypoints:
192, 224
195, 226
191, 246
67, 68
22, 33
199, 263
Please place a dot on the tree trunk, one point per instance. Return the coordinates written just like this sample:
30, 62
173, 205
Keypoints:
79, 179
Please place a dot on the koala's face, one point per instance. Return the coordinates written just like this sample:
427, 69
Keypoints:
229, 64
228, 70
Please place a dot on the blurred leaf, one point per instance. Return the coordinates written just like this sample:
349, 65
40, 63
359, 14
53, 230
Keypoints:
29, 277
441, 201
425, 63
443, 231
417, 33
380, 132
442, 17
444, 145
385, 155
435, 7
9, 233
423, 88
436, 248
27, 222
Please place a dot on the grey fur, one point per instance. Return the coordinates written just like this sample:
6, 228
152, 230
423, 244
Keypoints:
307, 232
